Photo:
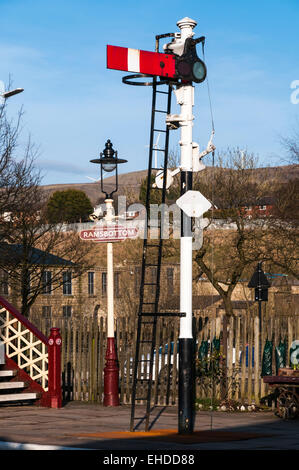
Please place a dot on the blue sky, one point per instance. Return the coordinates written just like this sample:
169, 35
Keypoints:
56, 51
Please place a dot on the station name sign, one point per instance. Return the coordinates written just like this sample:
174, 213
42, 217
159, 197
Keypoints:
109, 233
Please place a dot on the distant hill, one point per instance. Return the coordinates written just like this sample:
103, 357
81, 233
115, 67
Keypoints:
130, 182
126, 182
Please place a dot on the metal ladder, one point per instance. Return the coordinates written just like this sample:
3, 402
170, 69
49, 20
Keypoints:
148, 312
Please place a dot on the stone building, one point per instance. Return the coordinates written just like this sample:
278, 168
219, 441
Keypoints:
86, 295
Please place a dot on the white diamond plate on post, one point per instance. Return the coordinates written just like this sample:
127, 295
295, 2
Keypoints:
193, 203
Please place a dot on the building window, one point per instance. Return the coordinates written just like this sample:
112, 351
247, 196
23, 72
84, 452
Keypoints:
170, 280
116, 284
4, 283
67, 311
91, 283
46, 311
104, 283
47, 282
67, 283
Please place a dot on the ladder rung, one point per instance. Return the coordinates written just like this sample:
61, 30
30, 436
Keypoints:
148, 314
162, 314
151, 257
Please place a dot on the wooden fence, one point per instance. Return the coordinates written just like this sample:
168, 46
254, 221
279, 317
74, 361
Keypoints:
234, 372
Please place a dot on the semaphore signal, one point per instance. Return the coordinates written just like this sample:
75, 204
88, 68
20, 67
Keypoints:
179, 62
179, 66
147, 62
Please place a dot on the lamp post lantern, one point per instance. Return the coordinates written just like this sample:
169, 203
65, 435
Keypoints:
8, 94
109, 163
261, 285
4, 95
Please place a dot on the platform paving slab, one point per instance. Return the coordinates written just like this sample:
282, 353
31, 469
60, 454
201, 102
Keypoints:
90, 426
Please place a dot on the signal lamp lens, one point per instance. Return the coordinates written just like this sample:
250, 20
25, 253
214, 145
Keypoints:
199, 71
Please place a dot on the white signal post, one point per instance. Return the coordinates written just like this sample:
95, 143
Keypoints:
192, 204
185, 98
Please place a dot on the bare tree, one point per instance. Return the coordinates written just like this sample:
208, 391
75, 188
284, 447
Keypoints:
16, 168
291, 145
35, 246
229, 255
29, 244
281, 240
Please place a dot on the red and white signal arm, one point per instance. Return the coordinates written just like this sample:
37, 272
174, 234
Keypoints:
135, 60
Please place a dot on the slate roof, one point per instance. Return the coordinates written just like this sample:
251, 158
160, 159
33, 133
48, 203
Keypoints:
14, 253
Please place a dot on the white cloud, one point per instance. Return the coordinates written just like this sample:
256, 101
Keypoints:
61, 167
12, 52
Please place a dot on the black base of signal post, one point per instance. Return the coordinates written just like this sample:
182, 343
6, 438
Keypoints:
186, 419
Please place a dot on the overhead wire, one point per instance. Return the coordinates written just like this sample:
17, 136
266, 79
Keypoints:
212, 236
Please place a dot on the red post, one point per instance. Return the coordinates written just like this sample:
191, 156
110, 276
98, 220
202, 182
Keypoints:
54, 369
111, 372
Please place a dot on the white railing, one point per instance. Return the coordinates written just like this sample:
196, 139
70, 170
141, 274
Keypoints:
24, 344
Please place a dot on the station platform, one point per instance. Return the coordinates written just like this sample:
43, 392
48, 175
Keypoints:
80, 425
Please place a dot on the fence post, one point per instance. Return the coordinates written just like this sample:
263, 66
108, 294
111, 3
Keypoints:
54, 369
223, 384
257, 348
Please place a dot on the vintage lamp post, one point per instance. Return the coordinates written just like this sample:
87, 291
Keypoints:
109, 163
261, 285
